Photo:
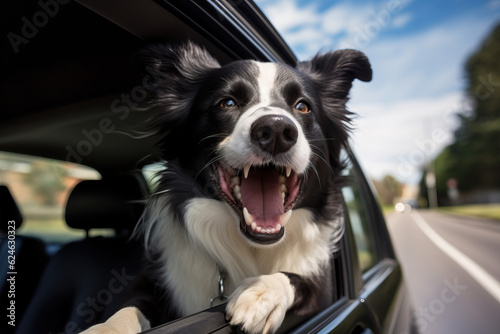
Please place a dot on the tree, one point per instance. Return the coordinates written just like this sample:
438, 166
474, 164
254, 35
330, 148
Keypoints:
46, 180
474, 157
388, 189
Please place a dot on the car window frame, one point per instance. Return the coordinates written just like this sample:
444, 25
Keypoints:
377, 226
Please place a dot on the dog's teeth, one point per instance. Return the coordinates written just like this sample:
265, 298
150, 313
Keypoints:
288, 171
235, 181
254, 226
246, 169
283, 195
282, 179
284, 218
284, 188
238, 196
237, 189
259, 229
278, 227
249, 219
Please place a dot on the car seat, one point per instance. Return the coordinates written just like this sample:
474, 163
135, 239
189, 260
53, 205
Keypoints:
26, 255
89, 280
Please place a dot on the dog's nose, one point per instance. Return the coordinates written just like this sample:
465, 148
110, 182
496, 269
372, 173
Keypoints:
274, 133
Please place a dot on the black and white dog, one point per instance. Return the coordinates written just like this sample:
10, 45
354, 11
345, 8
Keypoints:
250, 197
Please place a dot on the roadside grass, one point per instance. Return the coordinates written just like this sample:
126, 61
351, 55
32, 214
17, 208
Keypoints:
491, 211
387, 209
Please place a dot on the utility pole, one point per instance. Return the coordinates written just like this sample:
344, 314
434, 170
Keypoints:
430, 182
430, 176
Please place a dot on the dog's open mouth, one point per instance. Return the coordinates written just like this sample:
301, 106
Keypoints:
263, 197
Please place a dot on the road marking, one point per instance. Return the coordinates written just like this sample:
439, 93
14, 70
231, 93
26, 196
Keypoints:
488, 282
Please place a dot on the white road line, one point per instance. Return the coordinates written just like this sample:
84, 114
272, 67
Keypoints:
488, 282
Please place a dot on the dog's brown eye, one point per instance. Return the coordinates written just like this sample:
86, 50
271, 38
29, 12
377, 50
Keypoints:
227, 103
302, 107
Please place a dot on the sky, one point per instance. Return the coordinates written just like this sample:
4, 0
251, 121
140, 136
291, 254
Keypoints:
417, 49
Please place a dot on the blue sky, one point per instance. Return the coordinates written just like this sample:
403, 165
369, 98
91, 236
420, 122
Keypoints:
417, 49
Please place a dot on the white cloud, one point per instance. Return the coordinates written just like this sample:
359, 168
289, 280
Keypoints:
401, 21
399, 137
305, 36
287, 15
344, 24
345, 17
428, 64
417, 88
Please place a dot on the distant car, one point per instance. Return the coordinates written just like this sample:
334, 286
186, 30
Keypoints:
405, 205
401, 207
69, 92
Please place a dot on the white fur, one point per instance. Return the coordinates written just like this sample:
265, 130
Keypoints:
184, 262
126, 320
260, 303
237, 149
214, 241
266, 81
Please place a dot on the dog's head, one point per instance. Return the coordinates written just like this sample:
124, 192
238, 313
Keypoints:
264, 137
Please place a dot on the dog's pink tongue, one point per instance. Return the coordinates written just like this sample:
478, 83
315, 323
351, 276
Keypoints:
261, 195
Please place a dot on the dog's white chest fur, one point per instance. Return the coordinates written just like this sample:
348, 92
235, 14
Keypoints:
213, 241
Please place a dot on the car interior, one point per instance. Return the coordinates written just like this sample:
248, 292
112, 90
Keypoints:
106, 266
71, 91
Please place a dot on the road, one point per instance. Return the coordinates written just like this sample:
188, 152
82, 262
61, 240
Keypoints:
452, 268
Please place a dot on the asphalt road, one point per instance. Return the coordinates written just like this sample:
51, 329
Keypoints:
452, 269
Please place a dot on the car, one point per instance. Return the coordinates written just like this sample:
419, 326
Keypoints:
74, 151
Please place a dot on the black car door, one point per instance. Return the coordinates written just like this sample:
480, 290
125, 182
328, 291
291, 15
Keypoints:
373, 298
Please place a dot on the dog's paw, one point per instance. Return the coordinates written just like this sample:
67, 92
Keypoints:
101, 329
128, 320
259, 304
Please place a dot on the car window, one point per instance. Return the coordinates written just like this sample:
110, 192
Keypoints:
357, 211
41, 188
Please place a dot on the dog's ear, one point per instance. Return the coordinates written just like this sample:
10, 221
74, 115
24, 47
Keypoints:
173, 76
332, 75
334, 72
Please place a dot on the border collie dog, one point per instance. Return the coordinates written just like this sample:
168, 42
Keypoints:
250, 198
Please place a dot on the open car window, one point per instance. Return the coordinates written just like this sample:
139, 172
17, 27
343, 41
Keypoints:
359, 220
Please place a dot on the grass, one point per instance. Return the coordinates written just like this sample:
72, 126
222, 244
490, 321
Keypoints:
491, 211
387, 209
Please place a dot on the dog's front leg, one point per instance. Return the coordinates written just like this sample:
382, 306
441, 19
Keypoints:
128, 320
260, 303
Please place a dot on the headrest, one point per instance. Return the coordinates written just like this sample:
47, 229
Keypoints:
115, 203
8, 211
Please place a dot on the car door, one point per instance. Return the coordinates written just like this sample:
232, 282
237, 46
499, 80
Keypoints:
373, 298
